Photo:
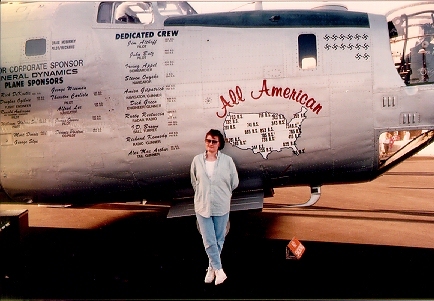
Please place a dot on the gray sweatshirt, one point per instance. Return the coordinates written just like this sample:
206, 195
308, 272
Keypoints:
212, 196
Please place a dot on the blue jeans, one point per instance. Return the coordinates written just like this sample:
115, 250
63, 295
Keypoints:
213, 230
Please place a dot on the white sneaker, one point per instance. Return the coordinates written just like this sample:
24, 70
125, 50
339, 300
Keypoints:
220, 276
210, 275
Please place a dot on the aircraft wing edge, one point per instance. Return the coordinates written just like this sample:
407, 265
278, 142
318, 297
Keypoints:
244, 201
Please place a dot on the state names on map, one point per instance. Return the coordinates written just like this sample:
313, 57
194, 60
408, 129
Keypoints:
264, 132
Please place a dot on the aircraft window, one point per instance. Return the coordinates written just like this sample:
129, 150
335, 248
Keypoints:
105, 12
175, 8
134, 12
125, 12
140, 12
36, 47
307, 51
411, 33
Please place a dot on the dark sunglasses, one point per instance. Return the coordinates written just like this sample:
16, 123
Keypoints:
211, 141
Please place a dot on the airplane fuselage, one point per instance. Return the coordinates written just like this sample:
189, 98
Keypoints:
101, 107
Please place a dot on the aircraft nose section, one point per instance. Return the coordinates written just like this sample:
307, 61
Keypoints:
411, 33
411, 30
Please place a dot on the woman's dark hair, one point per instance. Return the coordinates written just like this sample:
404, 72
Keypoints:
216, 133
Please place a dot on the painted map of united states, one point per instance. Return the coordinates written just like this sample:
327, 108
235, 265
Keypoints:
264, 132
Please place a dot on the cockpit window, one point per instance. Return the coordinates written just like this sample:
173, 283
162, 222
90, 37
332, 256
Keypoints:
175, 8
105, 12
411, 31
133, 12
140, 12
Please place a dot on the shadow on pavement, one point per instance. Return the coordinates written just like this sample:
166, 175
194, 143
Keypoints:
147, 256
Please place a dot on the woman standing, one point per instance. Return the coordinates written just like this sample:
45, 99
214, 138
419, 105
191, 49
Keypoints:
214, 177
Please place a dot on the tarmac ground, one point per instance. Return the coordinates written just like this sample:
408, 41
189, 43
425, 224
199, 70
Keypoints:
372, 240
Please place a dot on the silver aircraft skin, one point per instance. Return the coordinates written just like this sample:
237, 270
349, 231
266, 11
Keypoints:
101, 100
